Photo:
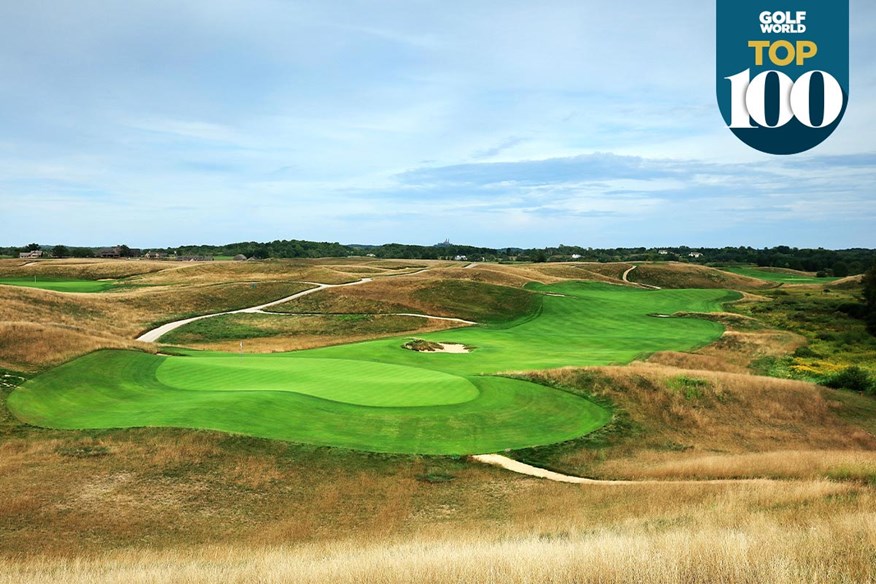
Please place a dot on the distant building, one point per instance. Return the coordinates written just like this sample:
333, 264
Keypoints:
370, 255
460, 258
695, 254
31, 255
116, 252
239, 258
576, 256
155, 255
663, 252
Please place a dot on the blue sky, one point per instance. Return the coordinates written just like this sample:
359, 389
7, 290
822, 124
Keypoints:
495, 123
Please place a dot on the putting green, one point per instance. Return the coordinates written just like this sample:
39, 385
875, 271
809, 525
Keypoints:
61, 285
376, 395
355, 382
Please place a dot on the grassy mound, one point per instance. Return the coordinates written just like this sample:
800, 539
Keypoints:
478, 301
376, 395
679, 275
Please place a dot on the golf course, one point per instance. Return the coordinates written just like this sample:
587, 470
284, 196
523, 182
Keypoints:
377, 395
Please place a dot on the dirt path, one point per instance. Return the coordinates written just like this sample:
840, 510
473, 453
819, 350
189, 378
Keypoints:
625, 279
534, 471
447, 318
156, 333
470, 266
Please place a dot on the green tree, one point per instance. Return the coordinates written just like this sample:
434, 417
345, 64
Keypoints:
60, 251
870, 298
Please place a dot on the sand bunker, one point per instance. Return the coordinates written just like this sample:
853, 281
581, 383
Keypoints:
422, 346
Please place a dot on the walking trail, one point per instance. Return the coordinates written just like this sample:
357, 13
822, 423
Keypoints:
534, 471
156, 333
625, 279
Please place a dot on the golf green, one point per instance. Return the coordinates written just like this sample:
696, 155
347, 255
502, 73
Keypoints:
378, 396
61, 285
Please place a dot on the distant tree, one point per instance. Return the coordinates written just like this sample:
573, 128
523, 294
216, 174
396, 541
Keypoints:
870, 298
32, 247
124, 251
840, 270
60, 251
82, 252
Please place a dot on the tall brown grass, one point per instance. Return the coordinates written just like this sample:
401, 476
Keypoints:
692, 423
830, 549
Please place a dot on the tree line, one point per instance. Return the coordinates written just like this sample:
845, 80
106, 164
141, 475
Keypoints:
826, 262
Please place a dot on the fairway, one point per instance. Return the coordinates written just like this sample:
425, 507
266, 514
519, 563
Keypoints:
61, 285
780, 277
378, 396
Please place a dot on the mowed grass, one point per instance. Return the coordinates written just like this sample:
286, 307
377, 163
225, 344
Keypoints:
378, 396
109, 389
780, 277
61, 285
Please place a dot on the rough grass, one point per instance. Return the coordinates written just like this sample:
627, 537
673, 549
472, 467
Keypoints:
79, 269
679, 275
832, 550
831, 340
26, 346
62, 326
424, 294
674, 423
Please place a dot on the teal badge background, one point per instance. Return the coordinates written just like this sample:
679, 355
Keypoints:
738, 22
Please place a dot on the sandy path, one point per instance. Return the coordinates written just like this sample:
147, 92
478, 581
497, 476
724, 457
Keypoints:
625, 279
447, 318
534, 471
156, 333
470, 266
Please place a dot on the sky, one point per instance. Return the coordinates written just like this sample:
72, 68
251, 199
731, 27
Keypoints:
489, 122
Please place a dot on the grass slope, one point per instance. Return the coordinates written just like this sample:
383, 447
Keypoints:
61, 285
400, 401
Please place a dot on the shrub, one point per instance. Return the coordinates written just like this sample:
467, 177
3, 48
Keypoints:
806, 351
691, 387
853, 378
